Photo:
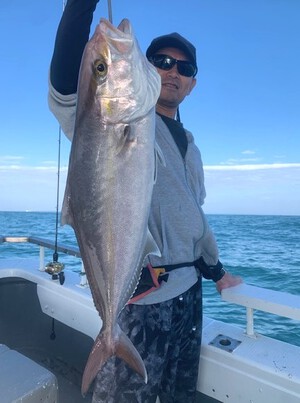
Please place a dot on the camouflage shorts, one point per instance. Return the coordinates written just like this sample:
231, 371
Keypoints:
168, 337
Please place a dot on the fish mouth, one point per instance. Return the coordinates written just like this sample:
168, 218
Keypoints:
121, 37
125, 26
121, 32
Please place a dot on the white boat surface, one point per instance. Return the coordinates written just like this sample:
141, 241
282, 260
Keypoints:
47, 331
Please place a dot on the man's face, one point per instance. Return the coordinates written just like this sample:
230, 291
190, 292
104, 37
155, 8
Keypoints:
174, 87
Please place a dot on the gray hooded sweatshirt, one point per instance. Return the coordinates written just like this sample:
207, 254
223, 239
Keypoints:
176, 221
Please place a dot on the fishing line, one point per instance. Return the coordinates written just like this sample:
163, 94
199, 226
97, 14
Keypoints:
55, 254
109, 11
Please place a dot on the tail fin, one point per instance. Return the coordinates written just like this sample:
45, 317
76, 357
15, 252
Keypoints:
121, 346
98, 356
127, 352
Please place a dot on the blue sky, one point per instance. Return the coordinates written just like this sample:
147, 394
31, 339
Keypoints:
244, 111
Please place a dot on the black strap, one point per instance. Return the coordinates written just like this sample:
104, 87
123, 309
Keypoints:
213, 272
170, 267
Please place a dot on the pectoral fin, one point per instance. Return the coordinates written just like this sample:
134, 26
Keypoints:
151, 247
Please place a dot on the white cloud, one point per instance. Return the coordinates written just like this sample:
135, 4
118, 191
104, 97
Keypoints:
231, 189
248, 152
253, 189
11, 159
30, 169
30, 188
240, 161
250, 167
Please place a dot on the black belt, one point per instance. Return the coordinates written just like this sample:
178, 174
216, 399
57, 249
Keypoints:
212, 272
151, 277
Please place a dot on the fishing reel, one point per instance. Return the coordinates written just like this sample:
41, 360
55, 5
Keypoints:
55, 269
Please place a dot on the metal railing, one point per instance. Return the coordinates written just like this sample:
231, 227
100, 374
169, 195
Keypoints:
43, 244
251, 297
262, 299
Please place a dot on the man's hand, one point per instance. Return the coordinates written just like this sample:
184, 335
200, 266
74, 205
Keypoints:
228, 281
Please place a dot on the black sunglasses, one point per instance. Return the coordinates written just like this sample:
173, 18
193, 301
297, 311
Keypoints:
166, 62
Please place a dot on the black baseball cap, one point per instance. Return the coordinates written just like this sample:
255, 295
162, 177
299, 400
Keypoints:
173, 40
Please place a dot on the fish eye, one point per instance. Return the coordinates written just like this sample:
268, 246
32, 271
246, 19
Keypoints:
100, 67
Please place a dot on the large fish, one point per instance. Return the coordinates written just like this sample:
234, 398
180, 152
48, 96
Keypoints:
110, 180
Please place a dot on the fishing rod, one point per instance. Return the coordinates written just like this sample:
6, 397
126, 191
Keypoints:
55, 268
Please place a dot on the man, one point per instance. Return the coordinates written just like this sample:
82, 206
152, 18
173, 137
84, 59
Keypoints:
165, 324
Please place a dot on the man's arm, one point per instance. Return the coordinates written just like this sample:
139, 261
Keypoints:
210, 266
72, 35
71, 38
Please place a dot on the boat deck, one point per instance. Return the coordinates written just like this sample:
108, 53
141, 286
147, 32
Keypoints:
48, 342
55, 326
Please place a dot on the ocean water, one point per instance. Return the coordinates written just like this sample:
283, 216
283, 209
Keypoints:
263, 250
